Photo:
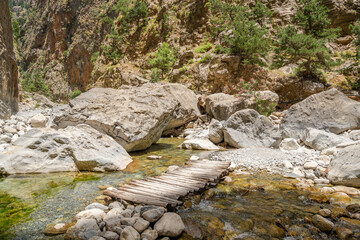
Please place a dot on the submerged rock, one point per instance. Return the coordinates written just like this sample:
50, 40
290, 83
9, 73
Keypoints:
331, 111
74, 148
248, 129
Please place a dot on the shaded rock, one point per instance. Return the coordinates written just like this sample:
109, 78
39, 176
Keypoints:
331, 111
153, 215
116, 204
192, 230
149, 235
97, 238
39, 121
134, 116
188, 110
128, 221
248, 129
289, 144
199, 144
353, 224
74, 148
216, 134
325, 212
9, 90
170, 225
84, 229
112, 222
141, 225
320, 140
108, 235
343, 233
344, 169
322, 223
221, 106
129, 233
96, 205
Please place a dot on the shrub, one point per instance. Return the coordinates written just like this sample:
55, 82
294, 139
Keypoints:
203, 48
164, 59
355, 28
34, 82
205, 59
75, 93
245, 37
304, 42
155, 75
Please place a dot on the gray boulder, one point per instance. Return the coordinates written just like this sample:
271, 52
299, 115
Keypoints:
129, 233
153, 215
221, 106
170, 225
320, 140
248, 129
71, 149
216, 134
344, 169
134, 116
149, 235
199, 144
188, 110
331, 111
84, 229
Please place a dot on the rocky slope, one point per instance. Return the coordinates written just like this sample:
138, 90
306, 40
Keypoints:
80, 44
8, 66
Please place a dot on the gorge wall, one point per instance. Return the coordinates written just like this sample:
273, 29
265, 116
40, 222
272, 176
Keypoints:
8, 66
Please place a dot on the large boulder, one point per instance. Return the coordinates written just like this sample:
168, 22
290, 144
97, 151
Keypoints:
248, 129
170, 225
331, 111
216, 134
344, 169
84, 229
221, 106
8, 67
188, 110
320, 140
73, 148
134, 116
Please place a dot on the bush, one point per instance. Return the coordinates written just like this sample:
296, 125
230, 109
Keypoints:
205, 59
75, 94
245, 37
203, 48
304, 42
155, 75
164, 59
34, 82
355, 29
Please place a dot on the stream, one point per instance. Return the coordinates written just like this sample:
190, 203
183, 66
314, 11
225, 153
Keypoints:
247, 207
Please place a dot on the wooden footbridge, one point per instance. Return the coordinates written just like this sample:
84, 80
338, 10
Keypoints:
169, 188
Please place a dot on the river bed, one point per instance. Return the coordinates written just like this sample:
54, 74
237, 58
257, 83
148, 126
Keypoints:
247, 207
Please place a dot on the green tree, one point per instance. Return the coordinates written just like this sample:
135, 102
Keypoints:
247, 35
164, 59
304, 42
355, 28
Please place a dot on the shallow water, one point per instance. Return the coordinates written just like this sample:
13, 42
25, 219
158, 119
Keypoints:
259, 205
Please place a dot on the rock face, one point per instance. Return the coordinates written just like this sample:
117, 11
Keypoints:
320, 140
344, 169
187, 110
8, 67
134, 117
331, 111
248, 129
70, 149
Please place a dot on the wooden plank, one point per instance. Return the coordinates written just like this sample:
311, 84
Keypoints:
186, 189
163, 190
167, 194
128, 189
135, 198
190, 176
160, 185
181, 181
174, 183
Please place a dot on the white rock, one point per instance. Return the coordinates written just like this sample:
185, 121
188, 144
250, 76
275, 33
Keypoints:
287, 164
326, 159
199, 144
228, 179
321, 181
9, 129
115, 212
96, 205
289, 144
95, 213
327, 190
39, 121
348, 190
311, 165
194, 158
172, 168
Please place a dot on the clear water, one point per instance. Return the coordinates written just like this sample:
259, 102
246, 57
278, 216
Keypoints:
248, 207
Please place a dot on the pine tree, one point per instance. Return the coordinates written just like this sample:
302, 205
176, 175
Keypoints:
304, 42
164, 59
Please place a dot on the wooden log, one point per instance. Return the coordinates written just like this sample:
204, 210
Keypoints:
181, 184
146, 189
159, 188
135, 198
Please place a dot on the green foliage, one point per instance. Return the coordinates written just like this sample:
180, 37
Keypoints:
15, 28
34, 82
94, 57
305, 42
164, 58
155, 75
264, 107
205, 59
246, 38
65, 53
355, 29
204, 47
75, 93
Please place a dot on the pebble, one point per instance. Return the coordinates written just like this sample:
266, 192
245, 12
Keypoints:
311, 165
287, 164
343, 233
154, 157
321, 181
322, 223
228, 179
194, 158
325, 212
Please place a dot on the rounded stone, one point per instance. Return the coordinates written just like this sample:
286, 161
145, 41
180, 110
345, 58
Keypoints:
170, 225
